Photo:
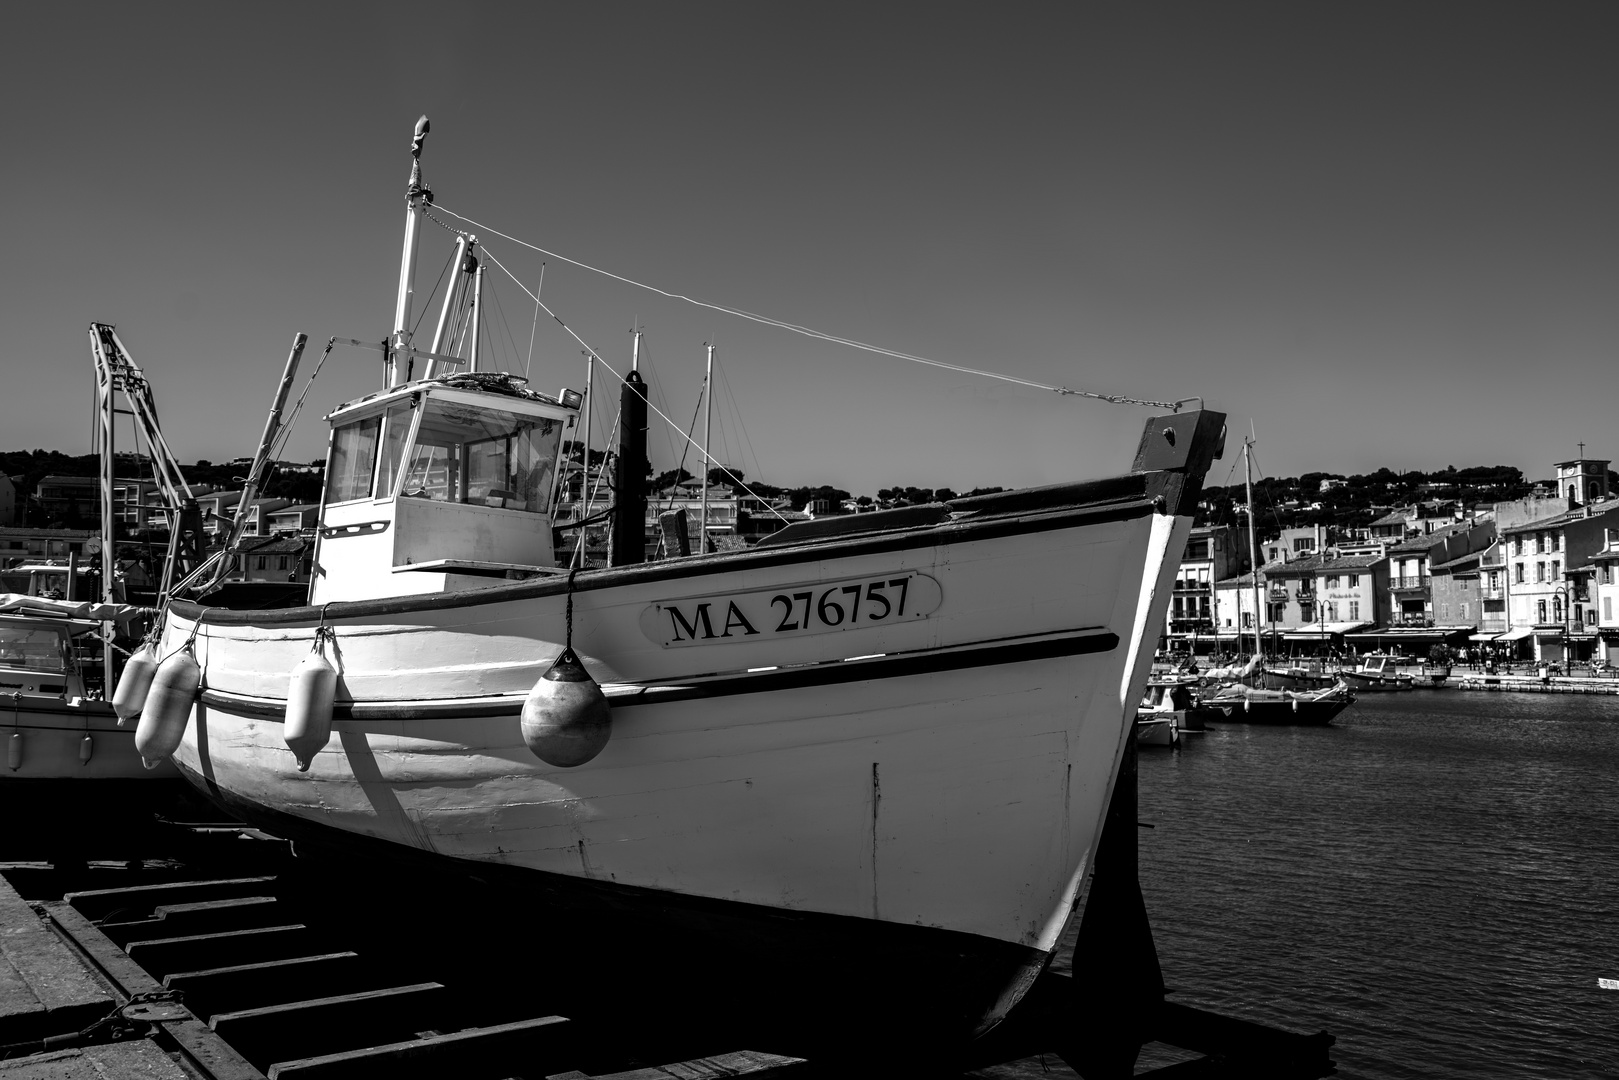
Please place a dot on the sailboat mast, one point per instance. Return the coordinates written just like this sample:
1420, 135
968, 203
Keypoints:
708, 459
1253, 545
415, 199
584, 461
475, 313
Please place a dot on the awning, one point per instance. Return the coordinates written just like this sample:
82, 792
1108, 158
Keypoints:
1321, 630
1483, 637
1516, 634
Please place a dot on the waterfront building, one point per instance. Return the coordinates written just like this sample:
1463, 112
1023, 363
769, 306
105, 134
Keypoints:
1411, 600
298, 518
1314, 602
1550, 562
279, 558
1605, 567
1493, 584
1295, 543
1213, 552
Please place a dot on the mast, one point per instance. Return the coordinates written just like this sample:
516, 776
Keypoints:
106, 419
474, 314
1253, 546
629, 481
584, 462
708, 459
415, 200
452, 296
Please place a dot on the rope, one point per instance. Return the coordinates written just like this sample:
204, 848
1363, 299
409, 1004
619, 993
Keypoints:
765, 320
568, 641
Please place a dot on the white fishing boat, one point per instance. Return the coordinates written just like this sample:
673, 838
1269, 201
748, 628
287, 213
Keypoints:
54, 730
878, 748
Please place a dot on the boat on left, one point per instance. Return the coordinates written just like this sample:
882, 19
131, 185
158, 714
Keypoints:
55, 729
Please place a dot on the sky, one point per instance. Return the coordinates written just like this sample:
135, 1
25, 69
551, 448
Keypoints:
1380, 235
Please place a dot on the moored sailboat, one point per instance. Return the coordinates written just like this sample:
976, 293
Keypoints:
879, 746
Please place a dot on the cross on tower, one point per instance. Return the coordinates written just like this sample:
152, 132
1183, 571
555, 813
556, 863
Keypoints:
1582, 450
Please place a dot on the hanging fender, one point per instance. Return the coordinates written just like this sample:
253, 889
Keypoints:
310, 692
566, 718
134, 684
167, 709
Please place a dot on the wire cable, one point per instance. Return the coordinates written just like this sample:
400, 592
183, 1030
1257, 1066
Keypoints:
780, 324
609, 367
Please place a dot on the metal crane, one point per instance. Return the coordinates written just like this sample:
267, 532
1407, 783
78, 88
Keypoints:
117, 373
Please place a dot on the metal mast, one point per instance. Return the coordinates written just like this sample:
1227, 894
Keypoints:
708, 458
416, 199
1253, 546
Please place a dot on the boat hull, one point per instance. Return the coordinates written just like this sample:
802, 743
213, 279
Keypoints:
853, 983
909, 798
51, 748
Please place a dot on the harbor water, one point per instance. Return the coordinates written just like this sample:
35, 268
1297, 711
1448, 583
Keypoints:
1434, 879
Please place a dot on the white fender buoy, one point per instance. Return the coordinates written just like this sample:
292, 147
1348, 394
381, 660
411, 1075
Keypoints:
566, 719
1295, 704
14, 751
310, 692
167, 709
87, 747
134, 683
1247, 704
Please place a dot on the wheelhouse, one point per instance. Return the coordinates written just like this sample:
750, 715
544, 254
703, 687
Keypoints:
433, 487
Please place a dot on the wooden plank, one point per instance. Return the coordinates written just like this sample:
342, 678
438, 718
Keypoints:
210, 1054
45, 989
202, 917
271, 982
299, 1029
127, 977
524, 1046
134, 1060
142, 899
749, 1063
193, 952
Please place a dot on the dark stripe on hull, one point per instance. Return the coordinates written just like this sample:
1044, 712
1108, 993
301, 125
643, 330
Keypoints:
1076, 643
829, 984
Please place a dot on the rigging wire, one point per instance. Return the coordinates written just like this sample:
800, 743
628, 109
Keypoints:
504, 325
765, 320
428, 303
532, 330
598, 357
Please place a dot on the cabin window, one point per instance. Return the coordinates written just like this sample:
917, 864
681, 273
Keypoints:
354, 458
487, 457
33, 649
395, 430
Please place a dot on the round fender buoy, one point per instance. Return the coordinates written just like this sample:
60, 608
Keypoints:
87, 747
566, 719
134, 683
14, 751
168, 707
310, 692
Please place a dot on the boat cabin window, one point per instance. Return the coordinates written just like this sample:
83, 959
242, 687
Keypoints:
354, 459
33, 648
488, 457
